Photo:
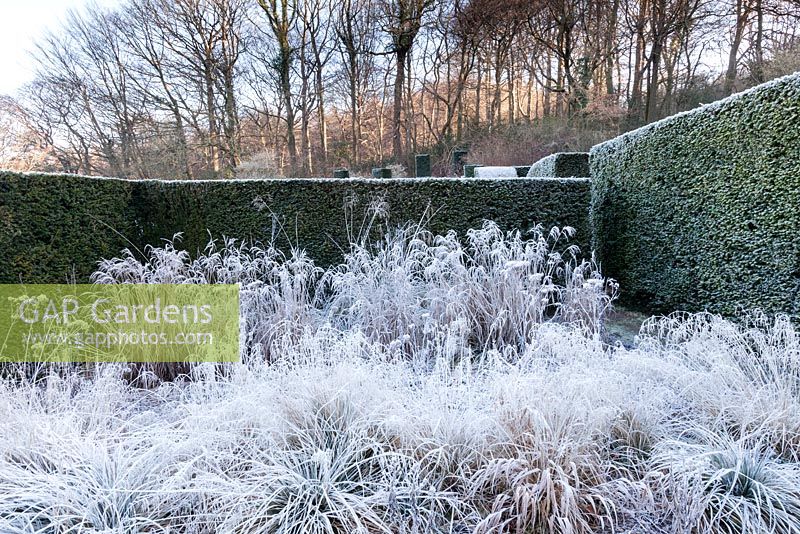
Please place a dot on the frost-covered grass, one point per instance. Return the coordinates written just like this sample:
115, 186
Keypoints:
488, 289
531, 424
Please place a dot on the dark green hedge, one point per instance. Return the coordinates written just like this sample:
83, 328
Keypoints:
702, 210
561, 164
53, 229
54, 226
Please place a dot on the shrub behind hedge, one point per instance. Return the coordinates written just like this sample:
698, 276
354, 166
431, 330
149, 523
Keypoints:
561, 164
702, 210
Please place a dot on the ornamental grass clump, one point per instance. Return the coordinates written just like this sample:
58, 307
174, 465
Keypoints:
277, 291
342, 434
428, 384
500, 285
490, 288
721, 485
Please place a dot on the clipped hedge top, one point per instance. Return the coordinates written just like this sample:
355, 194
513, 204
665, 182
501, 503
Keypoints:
705, 110
303, 180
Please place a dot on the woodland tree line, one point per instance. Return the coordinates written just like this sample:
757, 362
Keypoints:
222, 88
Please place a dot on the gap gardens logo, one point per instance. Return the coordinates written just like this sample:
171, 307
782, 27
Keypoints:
119, 323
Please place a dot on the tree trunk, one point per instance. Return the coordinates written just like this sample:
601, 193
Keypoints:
512, 101
231, 121
478, 94
650, 111
213, 129
611, 36
182, 148
738, 35
758, 68
401, 55
640, 64
355, 134
305, 141
560, 101
321, 118
286, 89
410, 131
546, 95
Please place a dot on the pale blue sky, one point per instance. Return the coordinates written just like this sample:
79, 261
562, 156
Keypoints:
21, 22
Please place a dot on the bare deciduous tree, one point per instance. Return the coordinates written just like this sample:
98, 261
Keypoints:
203, 88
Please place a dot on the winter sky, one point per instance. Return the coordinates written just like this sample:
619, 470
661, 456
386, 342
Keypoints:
21, 22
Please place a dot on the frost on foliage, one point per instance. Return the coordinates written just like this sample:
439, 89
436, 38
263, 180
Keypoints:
430, 384
492, 288
706, 109
656, 189
695, 430
495, 172
561, 164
